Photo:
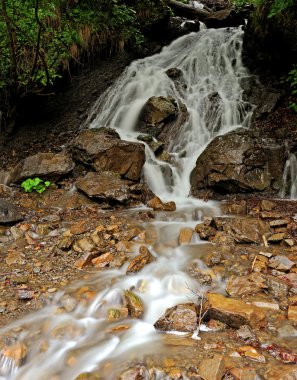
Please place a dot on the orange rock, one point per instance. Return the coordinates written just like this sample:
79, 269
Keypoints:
84, 261
185, 236
282, 372
145, 257
16, 352
235, 313
156, 204
103, 260
244, 373
78, 228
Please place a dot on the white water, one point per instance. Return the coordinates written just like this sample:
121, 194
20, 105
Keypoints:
289, 186
63, 345
211, 64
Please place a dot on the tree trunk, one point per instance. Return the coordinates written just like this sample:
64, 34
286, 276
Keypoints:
187, 11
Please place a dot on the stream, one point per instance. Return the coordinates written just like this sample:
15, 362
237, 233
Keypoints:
64, 345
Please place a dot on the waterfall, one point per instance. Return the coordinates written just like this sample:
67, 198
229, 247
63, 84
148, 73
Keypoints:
211, 66
62, 345
289, 186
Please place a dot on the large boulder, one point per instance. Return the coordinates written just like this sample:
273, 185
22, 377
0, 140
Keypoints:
52, 166
239, 162
9, 213
105, 151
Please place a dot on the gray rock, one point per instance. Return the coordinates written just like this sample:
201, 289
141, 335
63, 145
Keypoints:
181, 317
238, 162
9, 213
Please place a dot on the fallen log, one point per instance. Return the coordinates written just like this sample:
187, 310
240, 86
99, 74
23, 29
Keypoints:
187, 11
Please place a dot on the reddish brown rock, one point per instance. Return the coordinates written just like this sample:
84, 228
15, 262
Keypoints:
134, 304
204, 231
145, 257
106, 152
157, 205
102, 260
185, 236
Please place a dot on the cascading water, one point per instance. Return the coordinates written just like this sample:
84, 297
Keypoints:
63, 345
289, 187
212, 68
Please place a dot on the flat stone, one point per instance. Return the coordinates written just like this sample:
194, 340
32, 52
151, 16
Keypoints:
281, 263
9, 213
276, 238
243, 373
279, 222
104, 186
213, 369
243, 285
181, 317
234, 313
84, 261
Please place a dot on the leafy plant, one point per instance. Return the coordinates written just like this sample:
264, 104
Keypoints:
35, 184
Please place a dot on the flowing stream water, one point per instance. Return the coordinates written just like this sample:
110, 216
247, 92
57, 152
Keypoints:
63, 345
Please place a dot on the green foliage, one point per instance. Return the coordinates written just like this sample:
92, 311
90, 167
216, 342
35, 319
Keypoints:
35, 184
39, 38
276, 7
292, 80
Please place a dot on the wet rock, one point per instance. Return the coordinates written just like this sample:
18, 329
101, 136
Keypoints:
213, 369
240, 286
145, 257
276, 287
157, 205
158, 109
16, 352
105, 152
50, 166
243, 229
65, 243
238, 162
204, 231
238, 208
115, 314
185, 236
9, 213
246, 334
174, 73
213, 258
234, 313
181, 317
279, 222
25, 294
134, 304
281, 263
106, 186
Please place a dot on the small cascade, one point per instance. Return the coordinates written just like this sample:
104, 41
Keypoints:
212, 72
289, 185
